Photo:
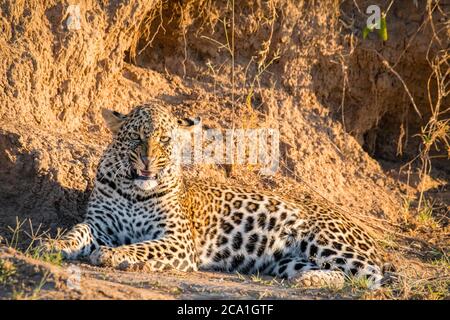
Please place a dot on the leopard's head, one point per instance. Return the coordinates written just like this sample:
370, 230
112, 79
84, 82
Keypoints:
143, 144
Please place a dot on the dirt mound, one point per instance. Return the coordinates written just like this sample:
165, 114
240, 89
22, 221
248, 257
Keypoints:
298, 67
56, 86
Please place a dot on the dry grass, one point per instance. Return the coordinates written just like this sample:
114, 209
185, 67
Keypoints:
428, 222
7, 271
28, 240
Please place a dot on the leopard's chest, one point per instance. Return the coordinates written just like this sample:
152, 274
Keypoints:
128, 221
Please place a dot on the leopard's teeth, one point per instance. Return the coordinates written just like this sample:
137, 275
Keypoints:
145, 175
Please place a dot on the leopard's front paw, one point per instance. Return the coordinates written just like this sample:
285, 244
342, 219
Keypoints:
112, 257
102, 256
107, 256
59, 246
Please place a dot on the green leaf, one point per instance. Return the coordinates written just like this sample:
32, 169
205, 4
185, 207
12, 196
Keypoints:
382, 32
366, 32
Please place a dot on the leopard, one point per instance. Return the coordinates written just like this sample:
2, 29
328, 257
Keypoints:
143, 212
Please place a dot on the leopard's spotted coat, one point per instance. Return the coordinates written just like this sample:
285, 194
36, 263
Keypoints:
141, 211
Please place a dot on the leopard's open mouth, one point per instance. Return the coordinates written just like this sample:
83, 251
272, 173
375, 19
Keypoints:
145, 175
145, 180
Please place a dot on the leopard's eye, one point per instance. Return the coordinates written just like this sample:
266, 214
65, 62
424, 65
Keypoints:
164, 139
135, 136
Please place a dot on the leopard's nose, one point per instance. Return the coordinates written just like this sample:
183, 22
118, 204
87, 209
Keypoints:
145, 161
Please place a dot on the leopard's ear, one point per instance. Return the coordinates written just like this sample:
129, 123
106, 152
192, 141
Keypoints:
113, 119
190, 123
